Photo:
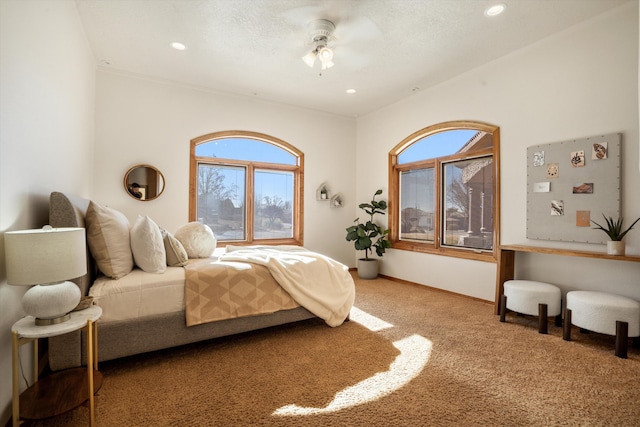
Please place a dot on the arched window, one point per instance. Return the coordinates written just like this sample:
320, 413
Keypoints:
247, 187
444, 190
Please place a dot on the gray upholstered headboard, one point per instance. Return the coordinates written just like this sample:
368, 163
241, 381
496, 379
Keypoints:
69, 211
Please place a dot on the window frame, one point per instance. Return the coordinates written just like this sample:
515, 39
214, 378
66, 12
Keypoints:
251, 167
437, 247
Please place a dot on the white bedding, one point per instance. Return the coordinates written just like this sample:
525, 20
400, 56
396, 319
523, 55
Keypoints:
139, 294
320, 284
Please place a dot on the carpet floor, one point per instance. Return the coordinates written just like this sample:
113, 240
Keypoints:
410, 356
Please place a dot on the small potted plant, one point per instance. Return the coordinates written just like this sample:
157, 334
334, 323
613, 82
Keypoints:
323, 193
369, 235
615, 246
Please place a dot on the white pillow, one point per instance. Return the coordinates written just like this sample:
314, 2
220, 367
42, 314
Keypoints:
108, 239
197, 238
147, 245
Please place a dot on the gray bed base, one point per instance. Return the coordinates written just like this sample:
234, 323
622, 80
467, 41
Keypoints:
126, 338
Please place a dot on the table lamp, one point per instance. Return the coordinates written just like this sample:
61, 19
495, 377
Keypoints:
47, 258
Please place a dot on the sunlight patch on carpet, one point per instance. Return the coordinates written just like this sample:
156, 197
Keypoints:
414, 355
370, 322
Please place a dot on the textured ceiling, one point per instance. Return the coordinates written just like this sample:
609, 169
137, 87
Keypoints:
385, 49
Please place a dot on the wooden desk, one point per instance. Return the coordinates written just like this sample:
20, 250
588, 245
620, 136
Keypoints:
507, 256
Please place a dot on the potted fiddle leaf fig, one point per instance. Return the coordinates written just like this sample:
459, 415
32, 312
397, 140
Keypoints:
615, 246
368, 236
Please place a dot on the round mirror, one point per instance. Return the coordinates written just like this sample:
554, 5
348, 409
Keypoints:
144, 182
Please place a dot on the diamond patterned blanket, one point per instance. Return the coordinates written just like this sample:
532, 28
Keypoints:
218, 290
317, 282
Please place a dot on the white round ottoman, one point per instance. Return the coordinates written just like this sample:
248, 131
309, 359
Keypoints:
532, 298
603, 313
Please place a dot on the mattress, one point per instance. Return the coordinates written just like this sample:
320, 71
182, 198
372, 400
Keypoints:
139, 294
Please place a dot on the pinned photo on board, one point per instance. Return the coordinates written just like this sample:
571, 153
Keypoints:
557, 208
599, 151
584, 188
541, 187
583, 218
577, 159
538, 158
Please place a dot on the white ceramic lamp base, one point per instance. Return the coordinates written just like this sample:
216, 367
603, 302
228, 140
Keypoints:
51, 303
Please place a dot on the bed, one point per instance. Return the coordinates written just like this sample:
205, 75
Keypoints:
144, 311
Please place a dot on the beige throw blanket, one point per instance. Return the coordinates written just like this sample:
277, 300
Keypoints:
216, 290
318, 283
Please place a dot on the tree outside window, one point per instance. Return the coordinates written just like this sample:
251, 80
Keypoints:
247, 187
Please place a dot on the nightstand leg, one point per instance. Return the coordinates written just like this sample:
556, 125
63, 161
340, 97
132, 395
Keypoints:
95, 346
90, 345
36, 371
16, 390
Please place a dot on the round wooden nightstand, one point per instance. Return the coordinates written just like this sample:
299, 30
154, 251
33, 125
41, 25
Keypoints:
63, 390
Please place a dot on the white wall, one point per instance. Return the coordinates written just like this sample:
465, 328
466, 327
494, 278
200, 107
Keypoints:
579, 83
47, 98
146, 121
583, 82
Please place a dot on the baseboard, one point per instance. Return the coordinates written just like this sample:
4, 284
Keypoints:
408, 282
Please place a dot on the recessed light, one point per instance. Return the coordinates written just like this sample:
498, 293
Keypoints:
178, 46
350, 91
495, 10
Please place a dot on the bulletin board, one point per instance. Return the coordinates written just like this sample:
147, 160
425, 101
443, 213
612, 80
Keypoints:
570, 183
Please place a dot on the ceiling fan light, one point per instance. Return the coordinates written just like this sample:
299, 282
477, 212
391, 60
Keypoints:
327, 64
326, 54
326, 57
310, 58
320, 32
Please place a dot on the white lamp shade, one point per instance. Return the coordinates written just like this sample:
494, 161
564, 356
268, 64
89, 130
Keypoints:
45, 256
326, 57
326, 54
310, 58
326, 65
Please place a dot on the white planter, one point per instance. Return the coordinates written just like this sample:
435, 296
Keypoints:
367, 268
615, 247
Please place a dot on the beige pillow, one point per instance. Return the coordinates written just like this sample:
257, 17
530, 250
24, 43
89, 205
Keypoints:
147, 245
108, 239
176, 254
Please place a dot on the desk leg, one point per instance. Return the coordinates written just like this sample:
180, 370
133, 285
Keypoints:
90, 345
16, 391
505, 271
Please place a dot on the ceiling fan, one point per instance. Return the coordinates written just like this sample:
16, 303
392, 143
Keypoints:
320, 33
334, 27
